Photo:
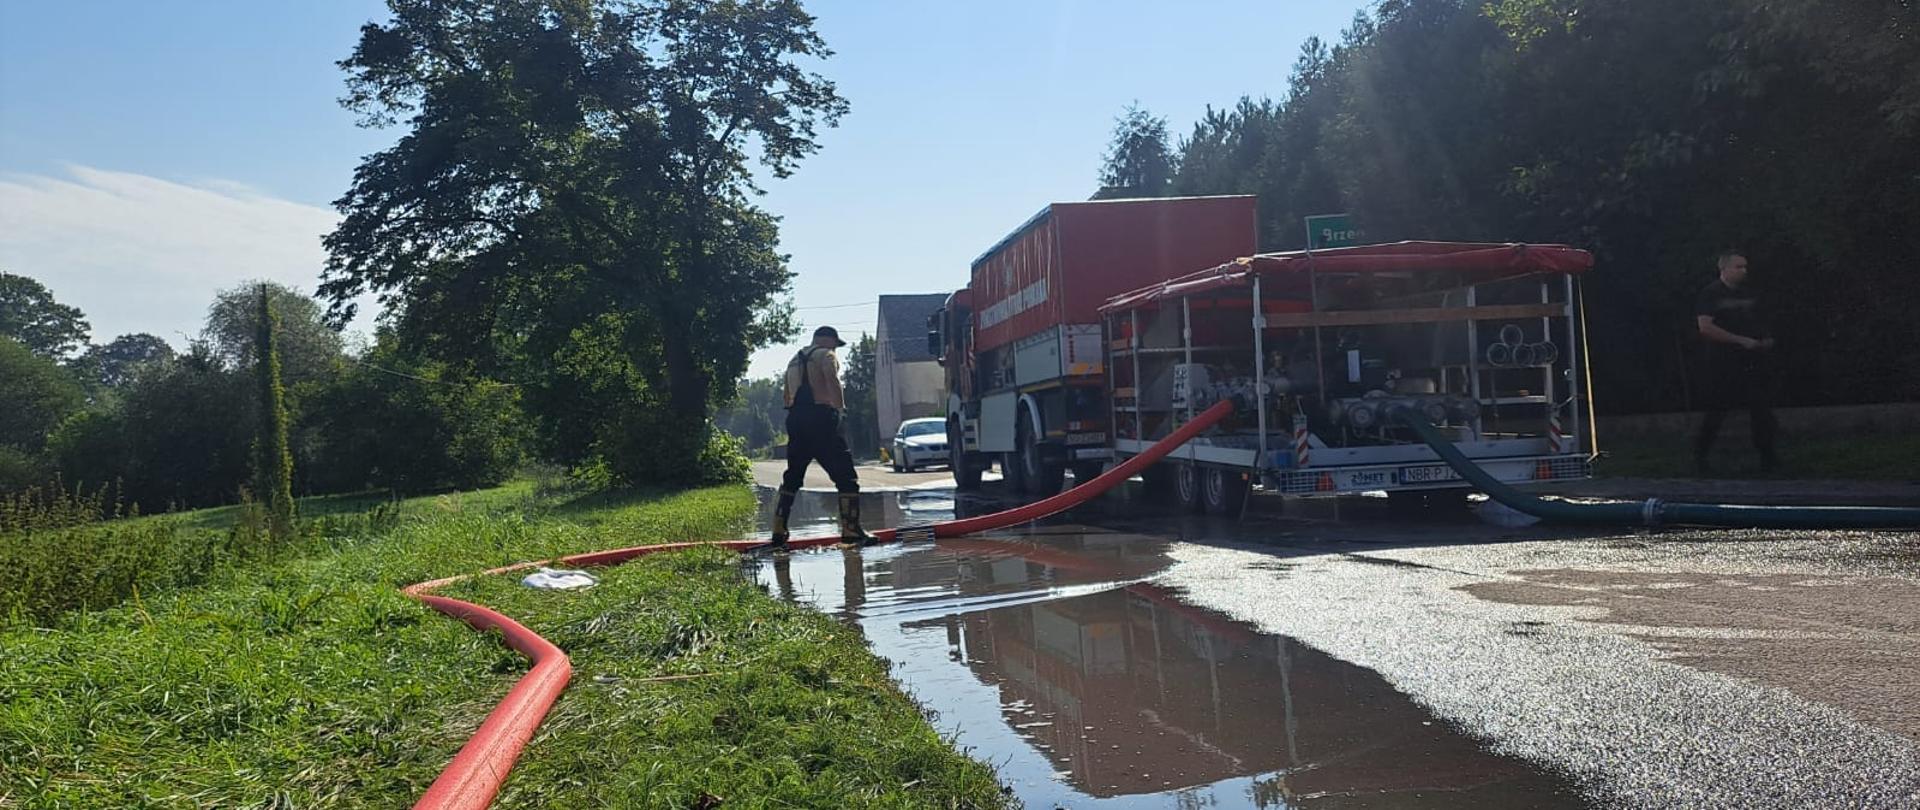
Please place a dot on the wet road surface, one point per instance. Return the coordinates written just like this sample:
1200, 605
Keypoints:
1344, 655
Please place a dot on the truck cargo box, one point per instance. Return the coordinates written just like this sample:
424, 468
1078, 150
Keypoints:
1059, 267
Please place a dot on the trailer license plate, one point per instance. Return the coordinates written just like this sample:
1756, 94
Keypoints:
1428, 475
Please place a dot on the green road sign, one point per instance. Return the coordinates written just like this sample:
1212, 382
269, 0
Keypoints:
1331, 231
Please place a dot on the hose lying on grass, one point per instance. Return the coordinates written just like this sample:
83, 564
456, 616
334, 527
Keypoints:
1655, 511
475, 775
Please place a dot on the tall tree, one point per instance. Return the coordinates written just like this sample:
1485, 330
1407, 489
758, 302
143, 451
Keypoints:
1653, 133
859, 385
1138, 163
310, 350
273, 470
582, 168
29, 315
113, 365
756, 413
35, 395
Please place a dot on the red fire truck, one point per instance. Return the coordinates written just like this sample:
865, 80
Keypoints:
1098, 328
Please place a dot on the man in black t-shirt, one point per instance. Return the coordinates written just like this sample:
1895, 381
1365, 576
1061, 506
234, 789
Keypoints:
1738, 347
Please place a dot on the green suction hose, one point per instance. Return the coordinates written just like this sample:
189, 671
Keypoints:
1655, 511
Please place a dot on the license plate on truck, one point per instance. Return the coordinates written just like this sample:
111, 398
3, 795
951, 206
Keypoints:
1434, 474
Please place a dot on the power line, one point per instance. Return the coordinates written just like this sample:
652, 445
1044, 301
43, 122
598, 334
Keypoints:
840, 306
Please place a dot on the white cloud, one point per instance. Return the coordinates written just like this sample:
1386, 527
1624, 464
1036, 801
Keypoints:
142, 254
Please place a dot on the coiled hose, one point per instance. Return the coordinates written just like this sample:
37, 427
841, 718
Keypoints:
1655, 511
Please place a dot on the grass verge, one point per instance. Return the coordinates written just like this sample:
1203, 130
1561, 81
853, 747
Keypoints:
311, 682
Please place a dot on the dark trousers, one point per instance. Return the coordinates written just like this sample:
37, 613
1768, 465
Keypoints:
1738, 381
813, 434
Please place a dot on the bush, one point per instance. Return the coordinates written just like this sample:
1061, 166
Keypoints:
409, 426
19, 470
65, 551
35, 395
724, 460
91, 449
188, 433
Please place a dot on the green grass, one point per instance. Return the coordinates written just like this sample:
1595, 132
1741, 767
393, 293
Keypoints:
1880, 458
310, 682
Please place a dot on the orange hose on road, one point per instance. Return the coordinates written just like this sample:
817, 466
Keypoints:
475, 775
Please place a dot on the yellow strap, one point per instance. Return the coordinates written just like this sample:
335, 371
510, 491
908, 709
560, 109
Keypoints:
1586, 357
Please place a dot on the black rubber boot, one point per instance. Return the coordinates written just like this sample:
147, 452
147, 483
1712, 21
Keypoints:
850, 532
782, 511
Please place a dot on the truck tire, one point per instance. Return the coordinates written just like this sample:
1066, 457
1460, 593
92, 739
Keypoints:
1224, 490
1010, 474
966, 471
1188, 488
1036, 476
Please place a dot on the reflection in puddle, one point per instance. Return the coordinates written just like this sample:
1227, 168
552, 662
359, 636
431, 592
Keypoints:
1052, 656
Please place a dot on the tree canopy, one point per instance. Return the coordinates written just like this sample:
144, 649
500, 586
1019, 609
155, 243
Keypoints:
582, 171
113, 364
29, 314
309, 349
1653, 133
1138, 162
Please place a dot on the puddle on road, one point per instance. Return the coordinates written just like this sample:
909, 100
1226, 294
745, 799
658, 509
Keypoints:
1051, 655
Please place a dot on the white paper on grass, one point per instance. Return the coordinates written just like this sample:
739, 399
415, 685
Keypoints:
554, 579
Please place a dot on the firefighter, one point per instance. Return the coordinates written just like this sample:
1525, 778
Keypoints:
1739, 374
814, 407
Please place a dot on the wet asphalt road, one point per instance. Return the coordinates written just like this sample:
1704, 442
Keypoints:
1345, 654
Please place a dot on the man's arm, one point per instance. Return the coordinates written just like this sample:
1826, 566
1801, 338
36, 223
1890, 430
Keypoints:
1713, 332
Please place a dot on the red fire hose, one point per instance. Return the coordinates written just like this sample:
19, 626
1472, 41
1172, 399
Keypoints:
475, 775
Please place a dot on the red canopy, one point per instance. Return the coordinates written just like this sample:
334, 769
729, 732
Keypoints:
1480, 261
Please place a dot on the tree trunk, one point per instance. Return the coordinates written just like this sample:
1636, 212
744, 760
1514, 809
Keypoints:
686, 384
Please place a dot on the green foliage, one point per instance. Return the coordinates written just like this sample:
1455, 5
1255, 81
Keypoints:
576, 175
310, 351
408, 425
28, 314
273, 460
313, 682
35, 395
69, 550
1138, 162
1652, 133
113, 365
19, 470
757, 415
724, 460
92, 447
863, 409
781, 710
179, 436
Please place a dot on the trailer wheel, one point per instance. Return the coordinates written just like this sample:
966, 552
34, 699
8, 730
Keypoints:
1188, 489
966, 474
1037, 476
1225, 490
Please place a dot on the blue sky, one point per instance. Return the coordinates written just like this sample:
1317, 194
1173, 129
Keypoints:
152, 153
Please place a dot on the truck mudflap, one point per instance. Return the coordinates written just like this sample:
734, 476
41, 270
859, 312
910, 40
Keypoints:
1391, 477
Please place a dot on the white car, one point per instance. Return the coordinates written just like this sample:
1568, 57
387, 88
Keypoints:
920, 442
